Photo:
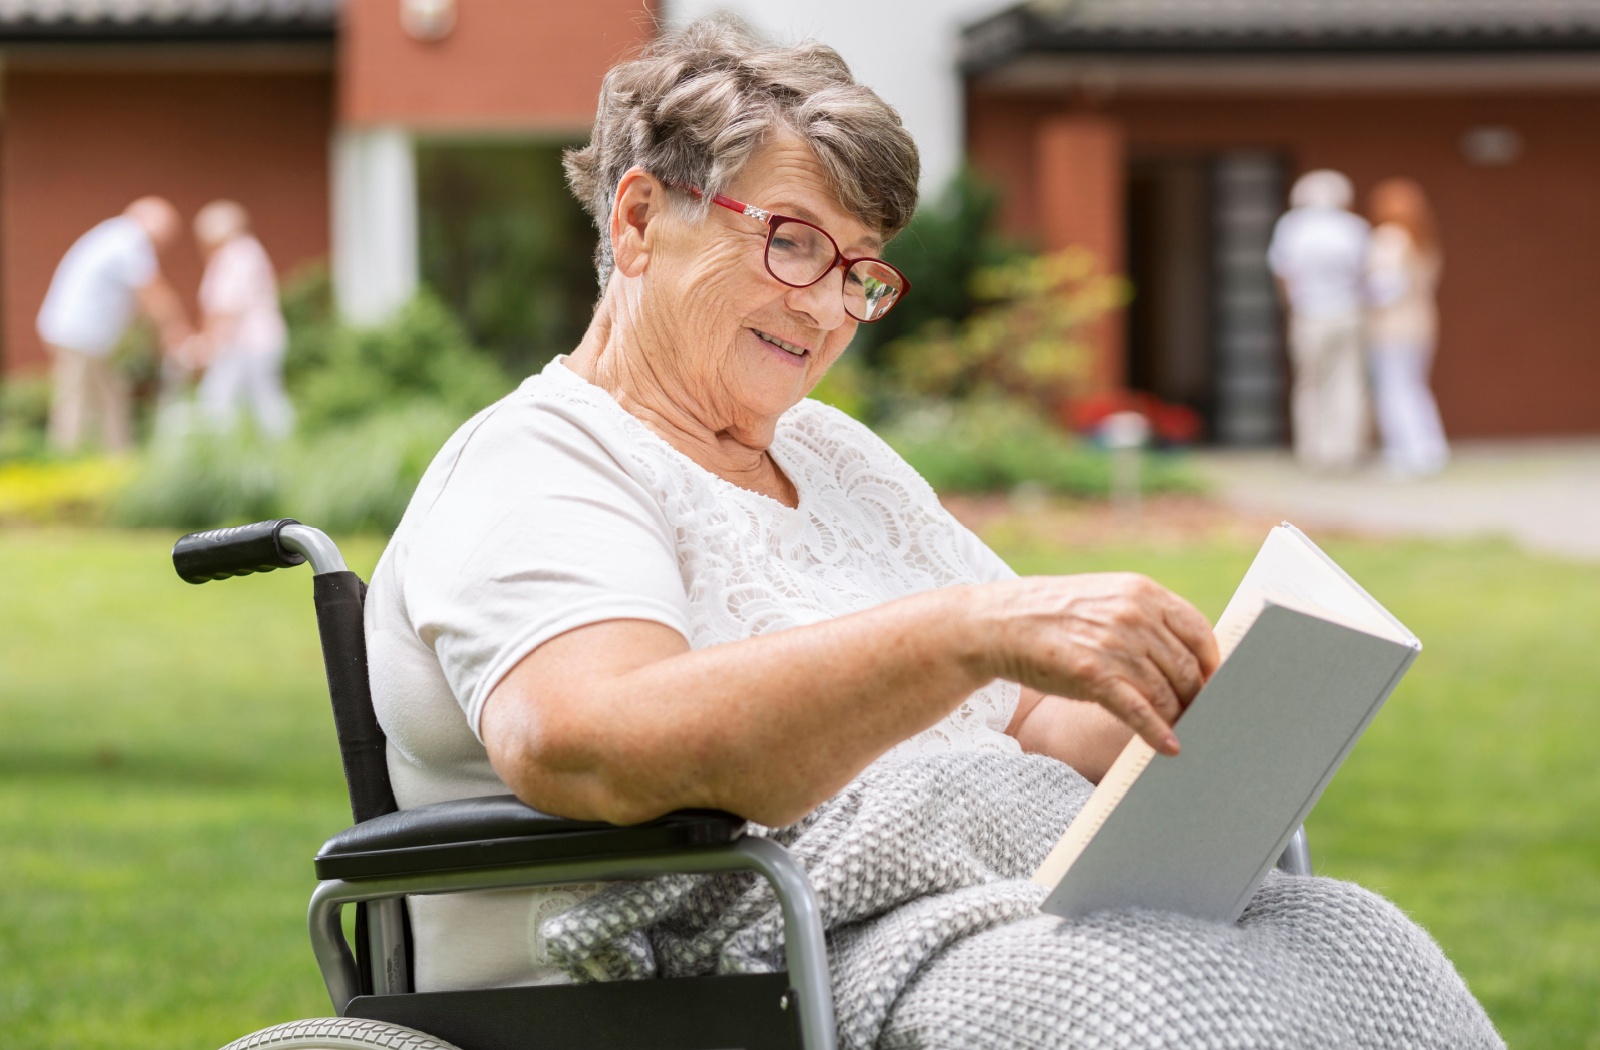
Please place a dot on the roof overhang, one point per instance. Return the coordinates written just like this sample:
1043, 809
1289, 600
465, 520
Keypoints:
1102, 75
142, 22
1049, 47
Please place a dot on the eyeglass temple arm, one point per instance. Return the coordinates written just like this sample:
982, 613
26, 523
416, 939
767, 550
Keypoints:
723, 200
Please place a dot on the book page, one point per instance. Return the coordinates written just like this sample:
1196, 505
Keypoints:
1291, 570
1236, 619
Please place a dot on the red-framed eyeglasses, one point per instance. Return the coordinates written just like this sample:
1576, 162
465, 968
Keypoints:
800, 253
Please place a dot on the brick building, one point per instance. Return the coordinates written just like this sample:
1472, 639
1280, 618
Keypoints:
1164, 134
306, 111
1161, 133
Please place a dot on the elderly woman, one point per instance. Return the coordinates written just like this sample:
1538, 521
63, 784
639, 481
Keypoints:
244, 336
656, 576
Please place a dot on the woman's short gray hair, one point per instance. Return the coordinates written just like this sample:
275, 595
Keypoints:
695, 104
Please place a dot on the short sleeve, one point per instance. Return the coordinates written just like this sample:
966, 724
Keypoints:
529, 529
137, 258
986, 565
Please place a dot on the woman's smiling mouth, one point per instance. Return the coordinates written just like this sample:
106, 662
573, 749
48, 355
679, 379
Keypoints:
797, 351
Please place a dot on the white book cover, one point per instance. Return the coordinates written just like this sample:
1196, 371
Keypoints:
1308, 659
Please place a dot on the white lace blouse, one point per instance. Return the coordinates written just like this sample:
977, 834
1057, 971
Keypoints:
555, 508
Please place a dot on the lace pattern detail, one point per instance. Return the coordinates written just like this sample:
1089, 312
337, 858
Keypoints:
868, 530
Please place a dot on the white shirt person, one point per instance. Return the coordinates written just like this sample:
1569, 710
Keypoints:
1319, 256
109, 276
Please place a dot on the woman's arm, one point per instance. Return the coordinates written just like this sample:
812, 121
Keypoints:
216, 332
1085, 736
622, 721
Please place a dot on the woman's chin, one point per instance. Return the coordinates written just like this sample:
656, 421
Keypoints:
773, 380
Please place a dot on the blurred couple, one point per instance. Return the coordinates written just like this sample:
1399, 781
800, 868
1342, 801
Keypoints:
112, 274
1361, 307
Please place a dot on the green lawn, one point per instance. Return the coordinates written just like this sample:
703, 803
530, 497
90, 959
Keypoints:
167, 770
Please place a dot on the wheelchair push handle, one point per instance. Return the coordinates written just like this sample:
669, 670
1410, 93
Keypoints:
280, 543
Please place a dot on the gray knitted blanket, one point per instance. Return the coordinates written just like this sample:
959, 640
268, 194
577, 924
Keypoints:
936, 940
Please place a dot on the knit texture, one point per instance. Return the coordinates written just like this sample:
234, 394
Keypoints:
936, 940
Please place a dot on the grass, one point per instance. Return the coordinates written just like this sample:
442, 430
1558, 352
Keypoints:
167, 770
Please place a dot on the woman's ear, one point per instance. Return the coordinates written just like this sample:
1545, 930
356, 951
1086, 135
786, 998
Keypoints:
641, 199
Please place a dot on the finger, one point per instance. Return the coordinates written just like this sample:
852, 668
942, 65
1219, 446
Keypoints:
1194, 631
1178, 666
1147, 676
1130, 706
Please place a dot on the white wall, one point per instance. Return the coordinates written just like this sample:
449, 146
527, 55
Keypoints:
375, 253
903, 49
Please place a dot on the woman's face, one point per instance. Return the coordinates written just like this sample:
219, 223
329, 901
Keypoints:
722, 317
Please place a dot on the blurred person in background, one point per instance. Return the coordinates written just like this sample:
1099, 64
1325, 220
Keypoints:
244, 337
109, 275
1403, 264
1319, 256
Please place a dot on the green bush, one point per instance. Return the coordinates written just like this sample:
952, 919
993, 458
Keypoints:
351, 478
200, 479
24, 414
374, 406
852, 388
994, 445
1031, 342
949, 240
422, 355
360, 477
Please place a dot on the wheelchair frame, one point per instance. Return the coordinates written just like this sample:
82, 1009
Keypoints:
499, 843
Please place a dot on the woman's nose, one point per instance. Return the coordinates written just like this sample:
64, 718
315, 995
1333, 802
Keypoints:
822, 302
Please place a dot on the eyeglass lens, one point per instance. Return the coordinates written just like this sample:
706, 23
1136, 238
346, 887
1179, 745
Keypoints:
799, 254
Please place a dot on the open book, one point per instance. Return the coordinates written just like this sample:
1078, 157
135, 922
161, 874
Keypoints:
1308, 658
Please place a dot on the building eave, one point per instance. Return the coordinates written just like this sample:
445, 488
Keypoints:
1021, 32
166, 21
164, 32
1103, 76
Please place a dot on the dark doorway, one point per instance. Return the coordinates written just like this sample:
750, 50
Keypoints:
1203, 327
507, 246
1169, 262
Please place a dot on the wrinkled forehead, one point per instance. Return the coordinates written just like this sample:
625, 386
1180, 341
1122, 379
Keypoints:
785, 177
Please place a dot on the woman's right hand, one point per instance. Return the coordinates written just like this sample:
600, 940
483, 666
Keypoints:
1118, 639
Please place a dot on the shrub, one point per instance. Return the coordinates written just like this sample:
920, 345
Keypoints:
350, 478
24, 414
949, 240
374, 406
200, 479
1031, 344
361, 477
77, 491
992, 445
422, 354
851, 387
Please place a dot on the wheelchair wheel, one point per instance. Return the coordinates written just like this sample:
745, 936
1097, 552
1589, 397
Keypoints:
339, 1033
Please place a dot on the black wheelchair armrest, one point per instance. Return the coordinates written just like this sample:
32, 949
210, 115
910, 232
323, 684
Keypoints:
500, 831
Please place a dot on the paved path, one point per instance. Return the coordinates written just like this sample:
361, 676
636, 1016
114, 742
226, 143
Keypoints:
1543, 494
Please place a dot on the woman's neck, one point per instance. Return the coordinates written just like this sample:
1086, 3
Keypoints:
636, 366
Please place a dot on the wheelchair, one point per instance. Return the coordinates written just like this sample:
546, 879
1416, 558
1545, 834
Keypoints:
496, 843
